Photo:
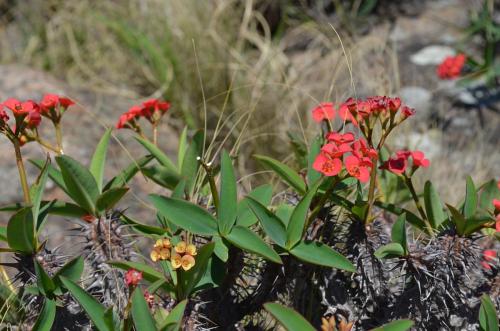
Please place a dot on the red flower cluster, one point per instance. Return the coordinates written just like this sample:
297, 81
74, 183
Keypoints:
53, 106
324, 111
152, 110
355, 154
133, 277
451, 67
399, 163
489, 256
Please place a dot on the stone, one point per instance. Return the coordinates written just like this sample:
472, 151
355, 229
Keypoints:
432, 55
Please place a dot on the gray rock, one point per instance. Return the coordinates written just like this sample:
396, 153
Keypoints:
432, 55
418, 98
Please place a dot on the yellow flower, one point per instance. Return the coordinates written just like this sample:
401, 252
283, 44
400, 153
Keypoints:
191, 249
176, 261
165, 253
187, 262
180, 247
166, 243
155, 255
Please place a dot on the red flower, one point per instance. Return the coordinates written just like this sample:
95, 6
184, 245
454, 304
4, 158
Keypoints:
51, 101
419, 159
325, 165
65, 102
340, 138
3, 115
133, 277
19, 108
152, 106
451, 67
361, 150
489, 255
357, 169
335, 151
496, 203
345, 112
396, 165
324, 111
407, 112
126, 118
33, 119
394, 104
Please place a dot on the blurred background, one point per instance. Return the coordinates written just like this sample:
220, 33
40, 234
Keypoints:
258, 67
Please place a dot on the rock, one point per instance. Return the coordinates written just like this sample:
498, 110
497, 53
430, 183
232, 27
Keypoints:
432, 55
418, 98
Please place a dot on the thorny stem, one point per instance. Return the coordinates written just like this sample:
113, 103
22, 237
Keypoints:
211, 181
420, 209
57, 126
22, 171
321, 203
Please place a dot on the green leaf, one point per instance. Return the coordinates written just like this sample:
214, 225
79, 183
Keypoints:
72, 270
318, 253
247, 240
190, 163
398, 233
474, 224
192, 277
45, 284
54, 174
389, 251
162, 176
185, 215
284, 213
272, 225
94, 309
108, 199
228, 195
399, 325
287, 174
79, 182
99, 159
36, 190
470, 204
181, 149
489, 191
62, 208
3, 233
433, 206
148, 273
47, 315
488, 318
297, 223
158, 154
20, 232
410, 217
220, 249
313, 175
262, 194
142, 228
289, 318
128, 173
174, 318
458, 219
141, 315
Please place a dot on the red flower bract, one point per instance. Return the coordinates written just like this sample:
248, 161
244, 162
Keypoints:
327, 166
51, 101
489, 256
451, 67
324, 111
419, 159
357, 169
19, 108
396, 165
149, 107
133, 277
3, 115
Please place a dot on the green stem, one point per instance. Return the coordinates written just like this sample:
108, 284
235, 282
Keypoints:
213, 187
155, 134
420, 209
22, 171
371, 191
321, 203
57, 126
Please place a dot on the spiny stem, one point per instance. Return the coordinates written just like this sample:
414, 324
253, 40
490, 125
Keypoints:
420, 209
22, 171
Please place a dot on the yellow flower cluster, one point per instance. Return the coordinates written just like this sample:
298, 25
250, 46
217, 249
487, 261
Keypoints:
182, 256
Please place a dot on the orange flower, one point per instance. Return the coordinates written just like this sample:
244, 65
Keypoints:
176, 261
191, 250
181, 247
187, 262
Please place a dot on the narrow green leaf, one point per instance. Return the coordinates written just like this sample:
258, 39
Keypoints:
45, 284
99, 159
174, 318
476, 223
79, 182
192, 277
297, 223
20, 235
410, 217
262, 194
143, 320
54, 174
489, 191
36, 190
272, 225
190, 163
148, 273
287, 174
181, 149
284, 213
470, 204
433, 206
108, 199
228, 207
72, 270
458, 219
185, 215
389, 251
399, 325
128, 173
158, 154
488, 318
318, 253
142, 228
313, 175
47, 315
247, 240
289, 318
94, 309
162, 176
3, 233
398, 232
